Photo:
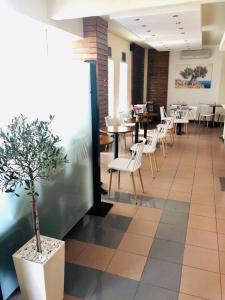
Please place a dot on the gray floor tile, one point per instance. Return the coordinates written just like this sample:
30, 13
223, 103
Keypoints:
171, 232
116, 222
153, 202
162, 274
167, 250
112, 287
81, 281
107, 237
177, 206
172, 217
149, 292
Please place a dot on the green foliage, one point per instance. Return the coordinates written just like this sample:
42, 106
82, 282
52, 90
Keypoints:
28, 152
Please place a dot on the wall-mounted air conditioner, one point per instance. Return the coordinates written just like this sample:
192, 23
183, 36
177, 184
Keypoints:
195, 54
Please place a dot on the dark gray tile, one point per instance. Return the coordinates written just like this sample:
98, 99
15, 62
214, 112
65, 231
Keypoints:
116, 222
81, 281
153, 202
107, 237
172, 217
177, 206
171, 232
112, 287
167, 250
222, 183
149, 292
162, 274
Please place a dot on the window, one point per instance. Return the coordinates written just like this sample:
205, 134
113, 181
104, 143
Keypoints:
110, 87
123, 87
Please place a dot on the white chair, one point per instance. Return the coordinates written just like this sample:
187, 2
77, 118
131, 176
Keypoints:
129, 165
193, 112
163, 114
149, 150
109, 121
205, 113
170, 129
182, 117
123, 120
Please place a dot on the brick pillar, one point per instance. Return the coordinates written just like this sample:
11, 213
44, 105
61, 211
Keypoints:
94, 46
157, 80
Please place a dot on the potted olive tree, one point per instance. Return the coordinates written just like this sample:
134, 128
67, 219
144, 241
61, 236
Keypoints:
30, 153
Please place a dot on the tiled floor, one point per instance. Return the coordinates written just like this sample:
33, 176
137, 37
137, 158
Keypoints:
171, 245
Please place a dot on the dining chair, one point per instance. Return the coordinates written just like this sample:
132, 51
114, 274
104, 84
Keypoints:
149, 150
163, 114
128, 165
193, 112
205, 113
170, 129
182, 117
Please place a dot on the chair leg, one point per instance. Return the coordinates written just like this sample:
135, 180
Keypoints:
155, 162
142, 185
110, 183
151, 165
166, 148
134, 187
163, 148
118, 179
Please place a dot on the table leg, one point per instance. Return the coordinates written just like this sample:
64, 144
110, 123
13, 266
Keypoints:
136, 132
116, 147
179, 129
145, 125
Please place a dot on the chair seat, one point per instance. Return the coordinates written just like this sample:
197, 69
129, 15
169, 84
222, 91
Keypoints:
123, 164
206, 115
183, 121
163, 126
161, 135
128, 124
146, 150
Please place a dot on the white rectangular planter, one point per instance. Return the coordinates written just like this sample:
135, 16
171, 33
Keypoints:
41, 280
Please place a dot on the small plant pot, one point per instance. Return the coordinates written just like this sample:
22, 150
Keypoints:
41, 276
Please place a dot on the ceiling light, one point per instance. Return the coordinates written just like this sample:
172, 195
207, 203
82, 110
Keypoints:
175, 16
148, 30
153, 34
137, 20
178, 23
143, 25
182, 33
181, 28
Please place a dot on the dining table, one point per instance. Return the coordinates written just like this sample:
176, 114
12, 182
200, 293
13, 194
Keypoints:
116, 131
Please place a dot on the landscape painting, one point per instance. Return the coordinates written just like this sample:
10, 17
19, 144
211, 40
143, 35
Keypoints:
193, 76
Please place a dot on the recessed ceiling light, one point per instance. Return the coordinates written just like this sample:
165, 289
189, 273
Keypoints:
161, 42
182, 33
153, 34
137, 19
181, 28
175, 16
148, 30
178, 23
143, 25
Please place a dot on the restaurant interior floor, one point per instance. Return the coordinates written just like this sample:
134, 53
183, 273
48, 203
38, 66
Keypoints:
169, 246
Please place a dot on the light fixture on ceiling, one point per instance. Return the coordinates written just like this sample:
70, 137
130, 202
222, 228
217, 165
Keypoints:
178, 23
153, 34
181, 28
182, 32
137, 20
175, 16
143, 25
148, 30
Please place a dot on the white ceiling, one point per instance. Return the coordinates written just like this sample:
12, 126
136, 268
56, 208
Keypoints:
180, 29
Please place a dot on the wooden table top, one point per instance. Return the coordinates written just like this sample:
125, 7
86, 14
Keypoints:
148, 114
105, 139
117, 129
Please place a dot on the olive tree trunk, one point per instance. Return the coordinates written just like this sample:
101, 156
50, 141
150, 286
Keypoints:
36, 219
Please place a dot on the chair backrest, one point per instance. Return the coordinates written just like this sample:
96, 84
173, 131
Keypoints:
163, 129
193, 110
205, 109
152, 142
137, 154
163, 114
123, 116
108, 121
182, 114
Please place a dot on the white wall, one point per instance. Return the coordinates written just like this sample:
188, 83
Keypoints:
222, 82
37, 9
195, 96
118, 46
